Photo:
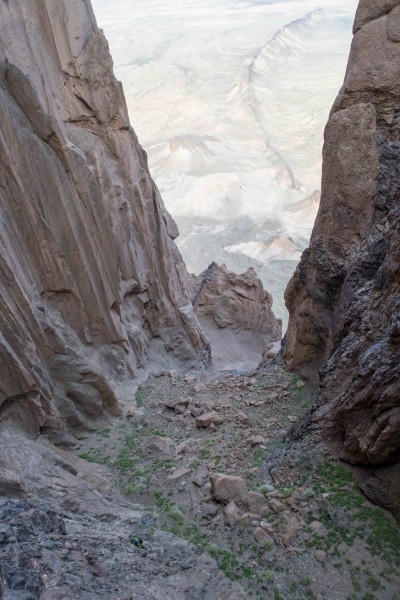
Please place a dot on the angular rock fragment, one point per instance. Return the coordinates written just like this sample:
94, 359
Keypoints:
211, 418
178, 474
276, 506
231, 514
200, 476
228, 487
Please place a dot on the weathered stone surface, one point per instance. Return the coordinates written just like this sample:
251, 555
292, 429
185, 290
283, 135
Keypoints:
178, 474
231, 514
208, 419
369, 10
245, 520
349, 182
211, 509
200, 476
228, 487
276, 506
262, 536
54, 555
89, 272
255, 502
157, 445
174, 402
320, 555
238, 301
29, 469
383, 487
344, 298
256, 440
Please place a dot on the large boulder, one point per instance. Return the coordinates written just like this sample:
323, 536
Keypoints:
227, 488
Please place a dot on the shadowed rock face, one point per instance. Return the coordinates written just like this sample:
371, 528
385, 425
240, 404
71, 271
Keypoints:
344, 297
89, 272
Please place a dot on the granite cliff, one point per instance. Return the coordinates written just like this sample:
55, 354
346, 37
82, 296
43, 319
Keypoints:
344, 328
92, 285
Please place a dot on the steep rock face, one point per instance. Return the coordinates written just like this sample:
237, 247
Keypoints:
90, 278
238, 301
344, 297
236, 313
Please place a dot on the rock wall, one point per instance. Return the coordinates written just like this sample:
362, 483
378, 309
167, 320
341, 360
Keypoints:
90, 278
344, 298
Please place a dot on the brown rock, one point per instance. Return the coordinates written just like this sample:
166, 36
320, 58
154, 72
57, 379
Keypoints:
211, 509
182, 448
241, 417
255, 502
238, 301
255, 440
200, 476
276, 506
266, 526
245, 520
289, 534
271, 351
320, 555
262, 536
156, 445
200, 387
228, 487
178, 474
196, 411
231, 514
178, 404
209, 418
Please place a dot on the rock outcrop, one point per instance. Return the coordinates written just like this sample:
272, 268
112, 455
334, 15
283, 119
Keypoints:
238, 301
344, 298
236, 313
91, 281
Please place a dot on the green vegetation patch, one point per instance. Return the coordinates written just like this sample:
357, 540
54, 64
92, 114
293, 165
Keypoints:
369, 522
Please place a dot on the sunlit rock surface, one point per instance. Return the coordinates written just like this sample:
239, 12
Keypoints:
91, 282
229, 98
236, 313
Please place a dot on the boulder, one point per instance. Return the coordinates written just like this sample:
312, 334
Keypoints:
276, 506
231, 514
200, 476
238, 301
255, 502
228, 487
156, 445
207, 419
178, 474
